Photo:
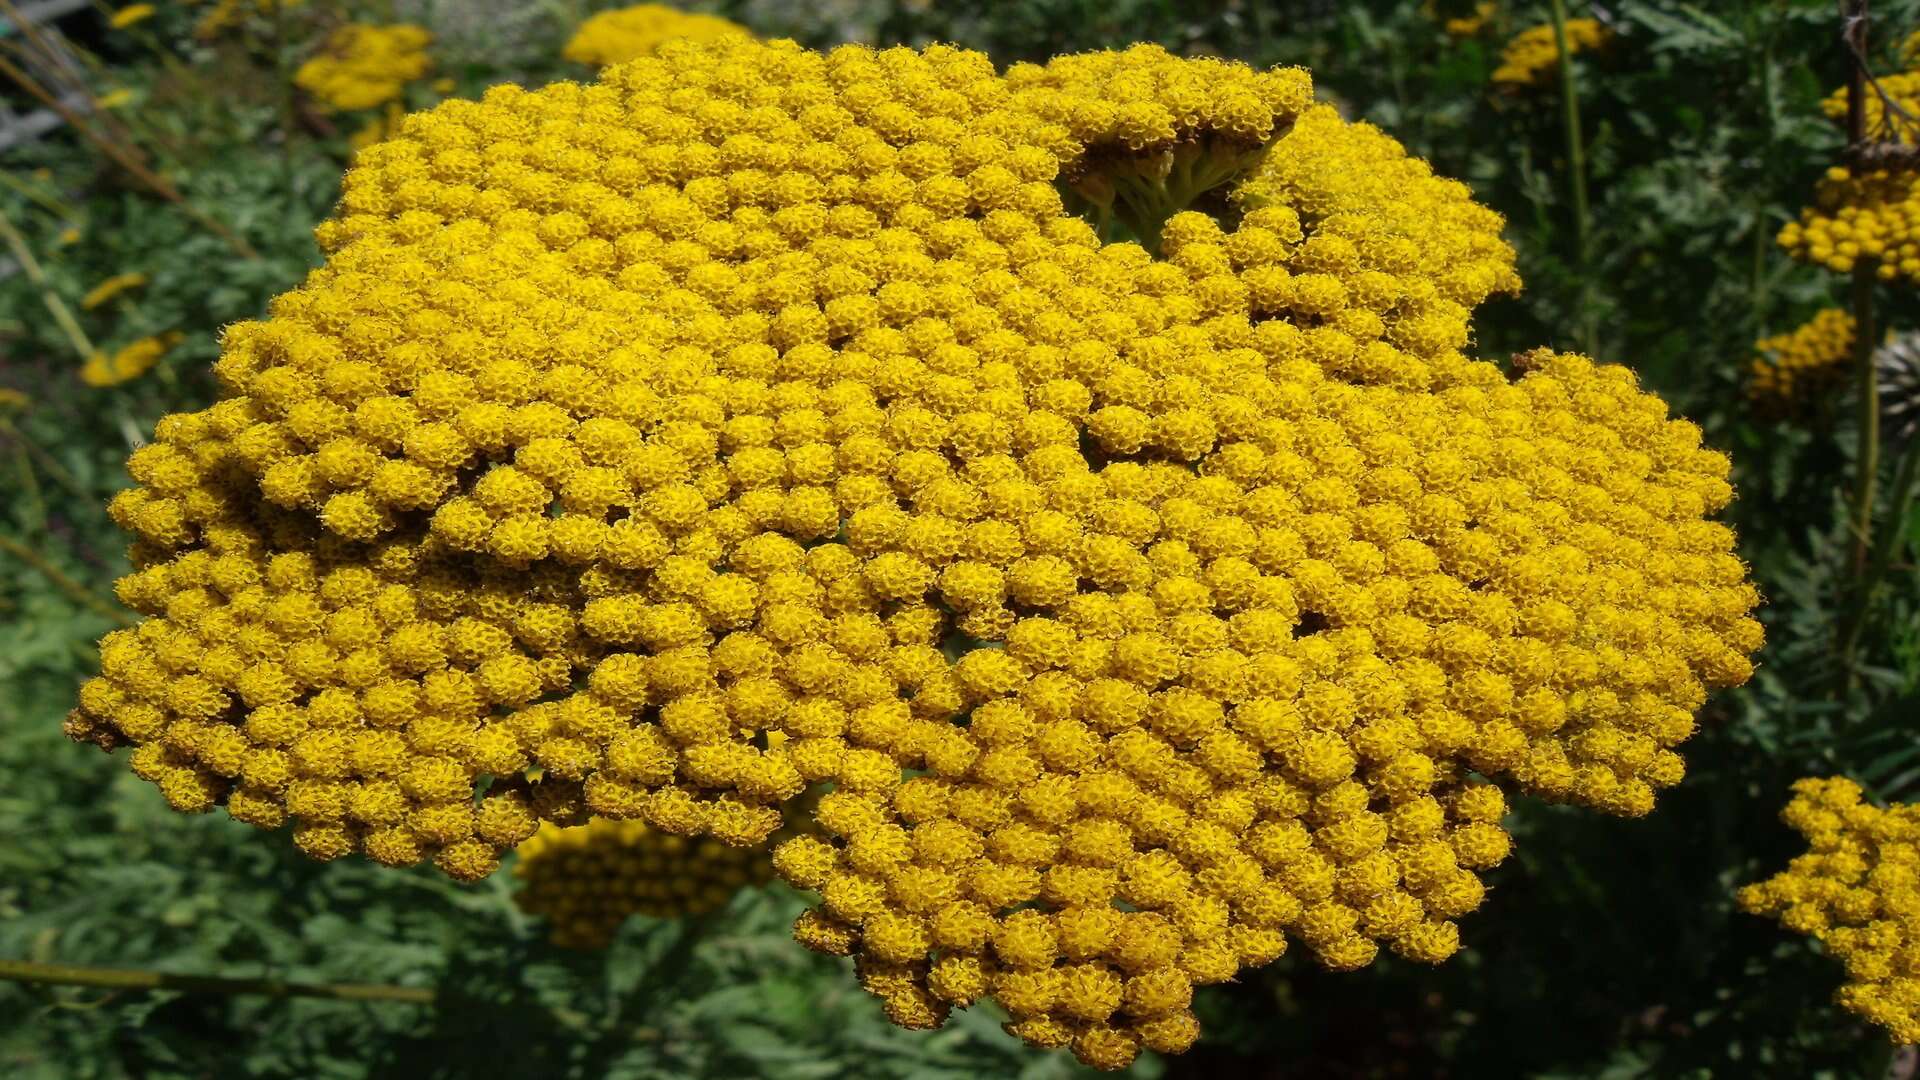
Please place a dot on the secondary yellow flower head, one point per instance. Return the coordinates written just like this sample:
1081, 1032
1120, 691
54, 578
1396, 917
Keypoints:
623, 34
111, 288
1532, 58
754, 419
127, 16
364, 66
128, 363
1871, 216
1791, 368
587, 880
1857, 891
224, 15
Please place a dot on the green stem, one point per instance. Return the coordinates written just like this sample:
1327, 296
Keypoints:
63, 582
1887, 545
1867, 453
26, 971
1867, 465
53, 467
56, 307
1577, 168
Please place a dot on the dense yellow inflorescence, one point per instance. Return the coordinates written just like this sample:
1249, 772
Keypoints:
110, 288
629, 33
128, 362
754, 419
364, 66
1532, 58
587, 880
1856, 890
1873, 217
1791, 368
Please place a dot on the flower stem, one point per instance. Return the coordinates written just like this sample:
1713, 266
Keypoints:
74, 590
62, 316
1577, 174
26, 971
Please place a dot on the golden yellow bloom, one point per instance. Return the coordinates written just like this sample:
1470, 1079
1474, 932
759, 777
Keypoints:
1790, 368
69, 236
755, 419
1874, 217
588, 879
111, 288
365, 66
1533, 56
13, 399
1857, 891
623, 34
128, 363
129, 15
1470, 25
224, 15
114, 99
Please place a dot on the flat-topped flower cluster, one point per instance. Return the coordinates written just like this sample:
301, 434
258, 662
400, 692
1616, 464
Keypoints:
755, 420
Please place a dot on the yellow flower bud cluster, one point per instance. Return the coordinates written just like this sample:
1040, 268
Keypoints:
587, 879
1466, 26
1397, 258
112, 287
1873, 216
623, 34
364, 66
1532, 58
224, 15
1857, 891
129, 362
754, 419
1899, 124
1792, 368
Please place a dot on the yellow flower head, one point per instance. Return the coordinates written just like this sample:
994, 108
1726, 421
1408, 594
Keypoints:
754, 419
111, 288
128, 363
1857, 891
365, 66
224, 15
1532, 58
623, 34
1791, 369
1866, 216
588, 879
129, 15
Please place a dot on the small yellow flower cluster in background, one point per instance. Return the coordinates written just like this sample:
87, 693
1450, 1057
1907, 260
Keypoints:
1791, 368
128, 363
755, 420
623, 34
1857, 891
1874, 216
1533, 56
585, 881
111, 288
127, 16
364, 66
225, 15
1466, 26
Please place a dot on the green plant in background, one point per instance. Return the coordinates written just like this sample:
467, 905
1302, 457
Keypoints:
1663, 268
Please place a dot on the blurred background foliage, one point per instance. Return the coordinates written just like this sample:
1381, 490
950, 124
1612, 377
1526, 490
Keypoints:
1607, 947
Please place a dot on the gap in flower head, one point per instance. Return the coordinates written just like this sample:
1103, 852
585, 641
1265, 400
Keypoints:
1127, 196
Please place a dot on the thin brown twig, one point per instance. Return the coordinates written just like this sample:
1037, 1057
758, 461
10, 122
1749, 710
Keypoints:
122, 155
27, 971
